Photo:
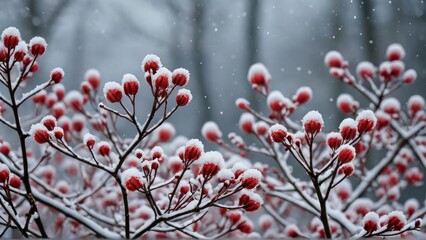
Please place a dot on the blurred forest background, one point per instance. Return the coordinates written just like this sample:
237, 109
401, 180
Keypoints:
218, 41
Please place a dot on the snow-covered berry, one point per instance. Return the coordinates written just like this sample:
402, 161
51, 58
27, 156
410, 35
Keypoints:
104, 148
415, 103
250, 201
183, 97
334, 59
258, 74
165, 132
10, 37
242, 103
211, 131
251, 178
346, 103
303, 95
4, 173
275, 101
346, 153
396, 220
211, 163
40, 133
113, 92
347, 169
365, 70
15, 182
246, 122
180, 77
89, 140
395, 51
391, 106
132, 179
49, 122
162, 79
278, 133
334, 140
409, 76
37, 46
56, 75
370, 222
93, 77
152, 63
366, 121
193, 150
312, 122
348, 129
130, 84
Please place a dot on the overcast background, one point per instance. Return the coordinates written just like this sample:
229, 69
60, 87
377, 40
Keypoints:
218, 41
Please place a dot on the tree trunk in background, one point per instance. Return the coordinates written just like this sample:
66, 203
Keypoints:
199, 62
77, 59
39, 22
252, 42
368, 38
335, 24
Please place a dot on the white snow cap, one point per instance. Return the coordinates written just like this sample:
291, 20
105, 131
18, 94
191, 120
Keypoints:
37, 127
161, 72
182, 71
347, 147
385, 67
58, 69
247, 117
48, 118
334, 135
110, 86
252, 173
252, 195
196, 143
277, 127
242, 101
275, 96
210, 127
348, 122
21, 47
259, 68
213, 157
185, 92
128, 173
37, 40
313, 116
391, 103
367, 115
73, 96
344, 97
167, 127
409, 76
365, 66
239, 166
398, 214
225, 174
157, 149
128, 78
304, 89
91, 73
395, 48
4, 167
87, 137
11, 31
332, 55
416, 99
371, 216
151, 58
